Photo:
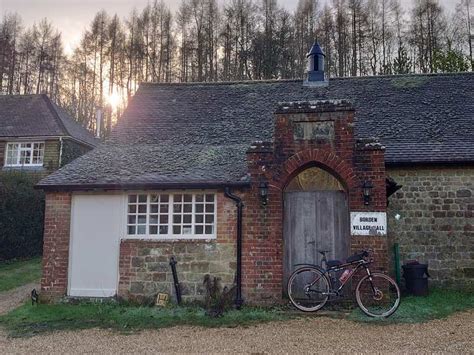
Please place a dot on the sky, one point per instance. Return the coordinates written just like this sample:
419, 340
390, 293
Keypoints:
71, 17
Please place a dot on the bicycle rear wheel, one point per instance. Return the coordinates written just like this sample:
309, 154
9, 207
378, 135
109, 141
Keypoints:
308, 289
378, 295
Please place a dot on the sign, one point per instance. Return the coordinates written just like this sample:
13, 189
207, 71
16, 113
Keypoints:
319, 130
368, 223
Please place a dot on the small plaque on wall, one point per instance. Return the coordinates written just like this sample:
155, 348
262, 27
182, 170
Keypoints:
321, 130
368, 223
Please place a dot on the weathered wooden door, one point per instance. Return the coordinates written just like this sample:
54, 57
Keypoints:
314, 220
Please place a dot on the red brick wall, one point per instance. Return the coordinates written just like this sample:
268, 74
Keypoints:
56, 245
278, 162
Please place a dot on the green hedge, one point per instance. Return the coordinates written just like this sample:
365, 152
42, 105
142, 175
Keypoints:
21, 216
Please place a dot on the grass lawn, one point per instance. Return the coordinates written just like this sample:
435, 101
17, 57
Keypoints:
440, 303
18, 273
29, 320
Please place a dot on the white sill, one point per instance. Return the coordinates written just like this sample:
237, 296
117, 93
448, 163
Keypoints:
24, 166
170, 239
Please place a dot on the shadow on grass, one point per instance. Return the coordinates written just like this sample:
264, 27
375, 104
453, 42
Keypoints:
440, 303
30, 320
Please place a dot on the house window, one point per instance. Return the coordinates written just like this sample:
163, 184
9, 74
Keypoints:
172, 215
25, 154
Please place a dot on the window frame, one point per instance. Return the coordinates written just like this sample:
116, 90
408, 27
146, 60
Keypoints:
20, 149
171, 201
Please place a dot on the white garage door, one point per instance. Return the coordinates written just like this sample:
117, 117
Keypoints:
96, 226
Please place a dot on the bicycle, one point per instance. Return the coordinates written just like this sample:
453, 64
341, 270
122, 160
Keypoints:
310, 286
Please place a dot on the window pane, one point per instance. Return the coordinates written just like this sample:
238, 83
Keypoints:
199, 218
209, 218
164, 209
199, 208
188, 208
178, 198
177, 218
164, 198
154, 198
132, 198
142, 198
163, 229
209, 207
153, 229
209, 198
153, 208
153, 219
188, 198
141, 230
187, 218
199, 229
199, 198
132, 208
131, 230
209, 229
164, 219
141, 208
142, 219
132, 219
187, 230
177, 208
176, 229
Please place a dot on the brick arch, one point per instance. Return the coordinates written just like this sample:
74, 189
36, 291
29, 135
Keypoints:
318, 157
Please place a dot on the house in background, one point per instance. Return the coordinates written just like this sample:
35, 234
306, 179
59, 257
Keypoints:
38, 136
244, 180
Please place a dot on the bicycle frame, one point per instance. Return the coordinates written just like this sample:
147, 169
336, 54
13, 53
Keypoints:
358, 265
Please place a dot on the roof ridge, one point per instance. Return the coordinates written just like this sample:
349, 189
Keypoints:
55, 113
276, 81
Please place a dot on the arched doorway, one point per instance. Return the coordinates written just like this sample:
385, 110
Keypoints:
316, 217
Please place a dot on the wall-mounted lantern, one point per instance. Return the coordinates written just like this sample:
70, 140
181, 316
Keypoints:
367, 191
263, 192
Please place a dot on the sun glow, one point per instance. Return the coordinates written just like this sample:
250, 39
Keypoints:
114, 100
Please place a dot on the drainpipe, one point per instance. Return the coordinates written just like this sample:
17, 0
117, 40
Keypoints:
239, 204
60, 151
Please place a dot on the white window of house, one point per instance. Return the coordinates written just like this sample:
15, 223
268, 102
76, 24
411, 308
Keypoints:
172, 215
24, 154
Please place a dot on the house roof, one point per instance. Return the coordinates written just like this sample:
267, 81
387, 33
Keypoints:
193, 133
37, 116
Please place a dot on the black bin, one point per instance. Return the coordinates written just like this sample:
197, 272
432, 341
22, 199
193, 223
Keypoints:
416, 278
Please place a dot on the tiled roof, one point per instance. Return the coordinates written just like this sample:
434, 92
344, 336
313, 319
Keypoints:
200, 132
38, 116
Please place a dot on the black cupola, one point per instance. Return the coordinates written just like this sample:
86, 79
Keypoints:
315, 66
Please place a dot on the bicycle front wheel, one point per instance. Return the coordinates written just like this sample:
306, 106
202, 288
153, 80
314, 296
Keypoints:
308, 289
378, 295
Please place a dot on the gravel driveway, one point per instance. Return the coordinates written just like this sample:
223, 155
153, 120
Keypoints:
306, 335
13, 298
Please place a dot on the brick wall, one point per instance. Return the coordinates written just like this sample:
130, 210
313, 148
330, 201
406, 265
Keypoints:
436, 224
144, 264
56, 245
278, 162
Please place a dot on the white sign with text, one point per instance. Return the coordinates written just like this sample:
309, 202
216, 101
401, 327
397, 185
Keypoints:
368, 223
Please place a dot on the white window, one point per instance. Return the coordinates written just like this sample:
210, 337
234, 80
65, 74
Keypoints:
24, 154
172, 215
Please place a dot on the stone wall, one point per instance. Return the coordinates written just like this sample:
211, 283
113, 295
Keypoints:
144, 264
431, 218
145, 269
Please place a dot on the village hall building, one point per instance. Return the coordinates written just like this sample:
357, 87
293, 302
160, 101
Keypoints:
243, 180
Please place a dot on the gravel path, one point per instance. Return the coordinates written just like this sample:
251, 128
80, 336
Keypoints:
306, 335
13, 298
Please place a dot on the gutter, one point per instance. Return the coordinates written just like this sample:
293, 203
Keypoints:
239, 204
141, 186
